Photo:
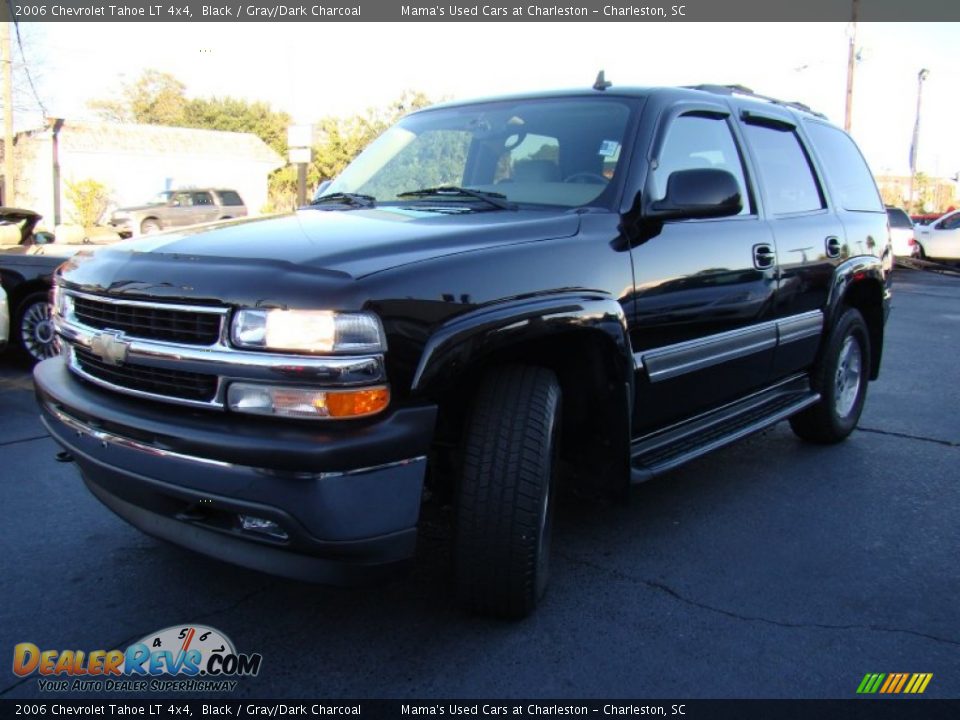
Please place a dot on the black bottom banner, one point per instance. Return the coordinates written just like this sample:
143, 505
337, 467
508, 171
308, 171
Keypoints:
677, 709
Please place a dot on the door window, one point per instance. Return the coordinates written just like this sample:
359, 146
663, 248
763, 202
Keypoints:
785, 169
950, 223
700, 141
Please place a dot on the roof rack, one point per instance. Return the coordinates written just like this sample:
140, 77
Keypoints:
741, 90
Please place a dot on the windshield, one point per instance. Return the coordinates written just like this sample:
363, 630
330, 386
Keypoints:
563, 153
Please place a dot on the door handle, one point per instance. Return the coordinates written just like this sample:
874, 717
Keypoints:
763, 257
832, 245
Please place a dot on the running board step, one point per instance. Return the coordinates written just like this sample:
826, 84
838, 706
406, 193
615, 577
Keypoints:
667, 449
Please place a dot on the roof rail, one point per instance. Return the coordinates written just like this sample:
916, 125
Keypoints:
745, 91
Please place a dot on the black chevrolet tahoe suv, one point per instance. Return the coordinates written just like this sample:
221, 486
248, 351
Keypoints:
607, 281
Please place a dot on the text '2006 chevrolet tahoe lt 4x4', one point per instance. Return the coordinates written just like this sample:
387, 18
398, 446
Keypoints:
610, 280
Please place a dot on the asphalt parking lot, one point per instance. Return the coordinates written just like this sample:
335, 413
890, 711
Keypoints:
770, 569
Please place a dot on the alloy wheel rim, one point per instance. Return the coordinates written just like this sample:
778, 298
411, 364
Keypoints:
848, 378
37, 332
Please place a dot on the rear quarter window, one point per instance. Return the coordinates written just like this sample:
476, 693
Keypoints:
848, 174
229, 197
898, 218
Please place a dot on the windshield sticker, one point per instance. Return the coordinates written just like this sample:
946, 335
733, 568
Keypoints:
609, 148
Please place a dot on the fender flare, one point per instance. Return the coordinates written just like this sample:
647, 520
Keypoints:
479, 333
863, 283
849, 273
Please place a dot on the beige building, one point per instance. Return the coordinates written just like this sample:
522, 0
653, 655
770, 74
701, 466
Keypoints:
134, 162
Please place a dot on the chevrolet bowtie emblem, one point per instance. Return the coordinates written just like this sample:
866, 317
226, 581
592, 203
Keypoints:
110, 347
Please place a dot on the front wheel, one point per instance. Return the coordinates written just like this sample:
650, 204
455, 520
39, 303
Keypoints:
36, 335
150, 226
840, 377
504, 499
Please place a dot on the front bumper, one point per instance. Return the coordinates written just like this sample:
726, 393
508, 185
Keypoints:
347, 497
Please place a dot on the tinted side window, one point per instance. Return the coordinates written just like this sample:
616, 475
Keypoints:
696, 141
950, 223
849, 174
202, 198
784, 169
229, 197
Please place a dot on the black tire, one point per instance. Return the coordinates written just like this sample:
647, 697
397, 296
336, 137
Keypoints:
34, 328
504, 498
840, 377
919, 254
150, 226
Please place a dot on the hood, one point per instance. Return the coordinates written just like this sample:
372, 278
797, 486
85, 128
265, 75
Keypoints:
306, 248
357, 242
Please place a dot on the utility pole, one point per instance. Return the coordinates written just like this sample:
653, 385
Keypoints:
7, 115
915, 145
851, 67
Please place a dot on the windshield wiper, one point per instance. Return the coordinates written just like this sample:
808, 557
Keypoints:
351, 199
498, 200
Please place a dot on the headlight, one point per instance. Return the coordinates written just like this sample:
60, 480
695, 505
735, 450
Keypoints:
310, 331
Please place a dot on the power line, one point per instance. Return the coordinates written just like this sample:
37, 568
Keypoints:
26, 69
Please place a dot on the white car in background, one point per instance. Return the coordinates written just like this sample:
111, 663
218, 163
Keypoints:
940, 240
901, 232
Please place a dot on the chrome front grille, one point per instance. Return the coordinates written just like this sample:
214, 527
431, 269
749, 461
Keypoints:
197, 387
200, 326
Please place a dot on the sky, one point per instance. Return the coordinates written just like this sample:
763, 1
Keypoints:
316, 69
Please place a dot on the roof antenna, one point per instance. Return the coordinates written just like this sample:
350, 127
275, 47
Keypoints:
601, 83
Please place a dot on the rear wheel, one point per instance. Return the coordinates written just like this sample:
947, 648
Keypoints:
841, 379
504, 498
150, 226
35, 332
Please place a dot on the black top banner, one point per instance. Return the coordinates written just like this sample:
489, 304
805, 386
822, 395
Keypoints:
477, 10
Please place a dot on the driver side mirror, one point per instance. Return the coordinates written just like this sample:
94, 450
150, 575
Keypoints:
44, 238
698, 193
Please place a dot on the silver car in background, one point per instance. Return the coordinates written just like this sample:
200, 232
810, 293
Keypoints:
901, 232
176, 209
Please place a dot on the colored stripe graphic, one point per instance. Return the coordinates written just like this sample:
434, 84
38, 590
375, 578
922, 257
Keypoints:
900, 684
871, 682
918, 683
894, 683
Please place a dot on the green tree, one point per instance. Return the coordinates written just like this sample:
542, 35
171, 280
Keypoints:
236, 115
155, 98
